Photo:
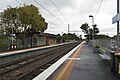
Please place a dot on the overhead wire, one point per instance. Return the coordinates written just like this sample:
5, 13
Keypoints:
59, 10
104, 6
62, 15
18, 1
48, 11
86, 17
99, 7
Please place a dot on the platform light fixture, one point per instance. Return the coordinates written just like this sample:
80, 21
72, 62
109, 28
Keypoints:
92, 25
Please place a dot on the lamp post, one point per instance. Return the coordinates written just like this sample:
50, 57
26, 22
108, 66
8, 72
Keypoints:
68, 28
92, 25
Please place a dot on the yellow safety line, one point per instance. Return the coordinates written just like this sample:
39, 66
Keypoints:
68, 64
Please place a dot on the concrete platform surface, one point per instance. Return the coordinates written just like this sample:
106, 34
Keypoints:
83, 64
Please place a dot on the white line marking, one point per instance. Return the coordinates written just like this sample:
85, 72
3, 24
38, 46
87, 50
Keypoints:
45, 74
74, 58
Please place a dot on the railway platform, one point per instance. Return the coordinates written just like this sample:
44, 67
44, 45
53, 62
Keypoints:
80, 64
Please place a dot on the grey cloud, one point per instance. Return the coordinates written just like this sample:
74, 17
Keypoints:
60, 3
76, 11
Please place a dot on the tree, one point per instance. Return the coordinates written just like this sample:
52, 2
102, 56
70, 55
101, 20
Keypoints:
89, 31
31, 19
1, 29
70, 36
96, 30
23, 20
102, 36
85, 29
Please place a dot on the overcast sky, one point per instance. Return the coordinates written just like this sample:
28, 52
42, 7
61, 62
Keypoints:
75, 13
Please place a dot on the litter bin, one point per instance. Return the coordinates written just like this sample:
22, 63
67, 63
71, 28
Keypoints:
112, 55
117, 64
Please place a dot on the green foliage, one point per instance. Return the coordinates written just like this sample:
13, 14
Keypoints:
96, 30
70, 36
4, 41
84, 27
96, 46
29, 16
115, 36
89, 31
23, 20
101, 36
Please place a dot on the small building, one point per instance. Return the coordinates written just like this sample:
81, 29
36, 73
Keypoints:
38, 39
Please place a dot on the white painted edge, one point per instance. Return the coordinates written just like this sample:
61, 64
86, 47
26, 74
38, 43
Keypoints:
45, 74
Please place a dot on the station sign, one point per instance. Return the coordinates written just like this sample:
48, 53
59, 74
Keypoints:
116, 18
12, 35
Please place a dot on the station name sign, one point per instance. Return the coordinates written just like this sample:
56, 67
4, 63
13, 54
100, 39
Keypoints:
116, 18
12, 35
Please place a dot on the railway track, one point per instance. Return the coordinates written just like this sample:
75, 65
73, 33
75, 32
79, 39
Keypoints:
29, 67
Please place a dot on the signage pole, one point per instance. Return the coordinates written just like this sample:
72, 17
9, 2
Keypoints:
117, 26
68, 28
